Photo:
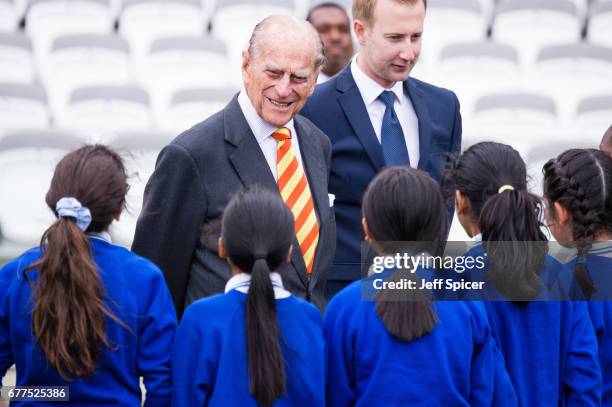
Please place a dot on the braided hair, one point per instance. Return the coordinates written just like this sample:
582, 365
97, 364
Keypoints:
581, 181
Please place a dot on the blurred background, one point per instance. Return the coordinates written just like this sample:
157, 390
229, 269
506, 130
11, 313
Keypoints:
536, 74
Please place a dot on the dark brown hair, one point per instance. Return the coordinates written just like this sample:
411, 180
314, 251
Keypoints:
404, 207
581, 181
257, 232
511, 218
68, 311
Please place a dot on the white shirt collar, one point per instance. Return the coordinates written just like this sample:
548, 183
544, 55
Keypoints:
370, 90
104, 235
242, 281
261, 129
477, 238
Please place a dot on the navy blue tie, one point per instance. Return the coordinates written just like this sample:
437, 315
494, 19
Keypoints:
391, 134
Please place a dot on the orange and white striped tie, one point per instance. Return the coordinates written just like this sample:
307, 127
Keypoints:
295, 191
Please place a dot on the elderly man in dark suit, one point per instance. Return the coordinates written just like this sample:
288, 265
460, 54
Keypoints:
258, 138
376, 115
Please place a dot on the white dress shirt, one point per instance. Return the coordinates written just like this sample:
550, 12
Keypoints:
242, 281
370, 90
263, 133
322, 77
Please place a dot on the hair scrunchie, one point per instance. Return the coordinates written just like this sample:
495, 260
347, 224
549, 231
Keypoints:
69, 207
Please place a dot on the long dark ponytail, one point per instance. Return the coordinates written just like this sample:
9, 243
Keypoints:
493, 177
581, 181
257, 232
404, 207
69, 310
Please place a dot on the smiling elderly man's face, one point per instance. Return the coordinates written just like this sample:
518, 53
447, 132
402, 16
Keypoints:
280, 75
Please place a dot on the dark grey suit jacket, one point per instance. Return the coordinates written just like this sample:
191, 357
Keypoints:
194, 178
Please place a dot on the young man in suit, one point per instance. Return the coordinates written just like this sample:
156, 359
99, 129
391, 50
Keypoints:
256, 139
376, 116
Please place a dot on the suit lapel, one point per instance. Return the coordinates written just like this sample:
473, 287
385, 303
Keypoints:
422, 113
246, 156
251, 166
352, 103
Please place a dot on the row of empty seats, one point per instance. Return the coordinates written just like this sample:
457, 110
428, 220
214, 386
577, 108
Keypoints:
27, 160
527, 24
99, 111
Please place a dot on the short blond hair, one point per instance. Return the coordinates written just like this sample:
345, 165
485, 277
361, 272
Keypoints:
364, 9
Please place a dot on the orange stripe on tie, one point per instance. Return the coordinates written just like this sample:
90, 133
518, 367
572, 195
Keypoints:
294, 189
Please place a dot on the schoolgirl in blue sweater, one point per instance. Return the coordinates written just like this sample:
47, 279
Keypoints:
256, 344
549, 347
390, 352
79, 311
578, 194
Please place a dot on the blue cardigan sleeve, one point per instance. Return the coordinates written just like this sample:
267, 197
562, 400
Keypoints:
340, 351
582, 382
157, 330
489, 380
192, 370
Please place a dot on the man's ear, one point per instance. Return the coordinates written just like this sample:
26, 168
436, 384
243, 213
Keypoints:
246, 59
359, 27
221, 249
288, 259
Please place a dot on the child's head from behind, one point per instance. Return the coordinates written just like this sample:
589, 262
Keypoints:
256, 225
402, 204
95, 176
578, 192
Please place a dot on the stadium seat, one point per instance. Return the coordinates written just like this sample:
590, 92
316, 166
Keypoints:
532, 24
519, 119
540, 153
449, 21
177, 63
27, 162
22, 106
16, 58
8, 16
101, 111
140, 152
84, 60
599, 30
475, 68
143, 21
593, 117
234, 21
191, 106
48, 19
571, 72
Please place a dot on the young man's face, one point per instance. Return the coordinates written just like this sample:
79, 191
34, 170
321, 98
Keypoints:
391, 42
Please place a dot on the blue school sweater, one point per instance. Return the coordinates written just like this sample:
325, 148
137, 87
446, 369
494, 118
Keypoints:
549, 347
209, 357
599, 268
454, 365
136, 293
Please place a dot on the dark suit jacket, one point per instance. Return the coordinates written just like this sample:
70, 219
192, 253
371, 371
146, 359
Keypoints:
337, 108
194, 178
